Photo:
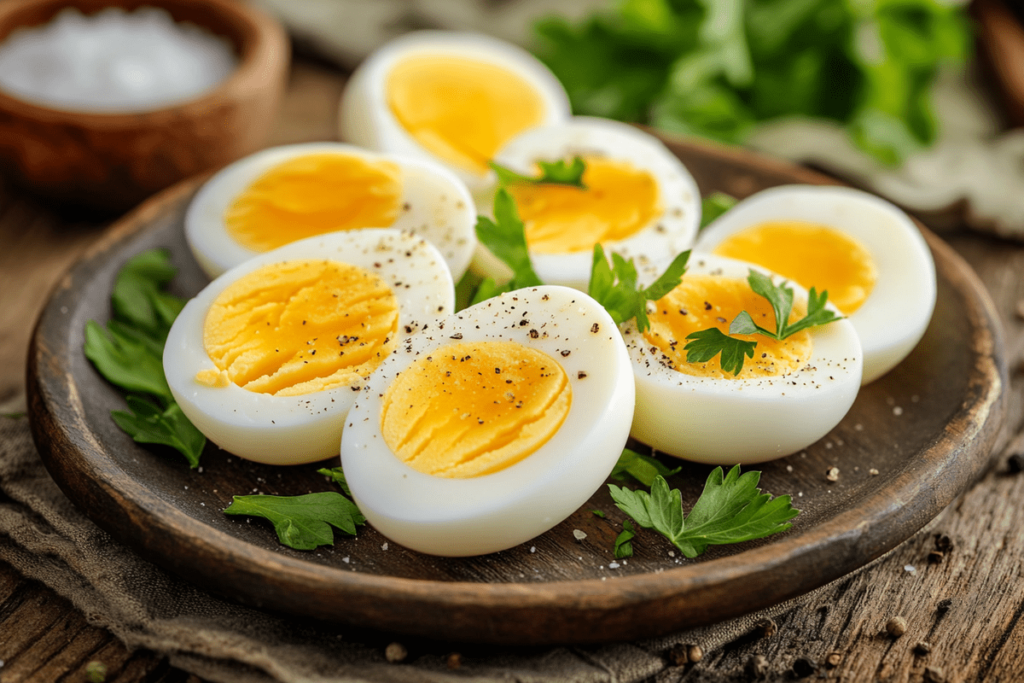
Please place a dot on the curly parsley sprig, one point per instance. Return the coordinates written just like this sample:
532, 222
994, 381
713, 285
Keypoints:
731, 509
551, 173
615, 286
704, 345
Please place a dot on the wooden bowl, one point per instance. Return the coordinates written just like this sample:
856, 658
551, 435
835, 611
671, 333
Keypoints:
110, 162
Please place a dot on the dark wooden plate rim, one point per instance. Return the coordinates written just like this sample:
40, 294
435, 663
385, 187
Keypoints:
578, 611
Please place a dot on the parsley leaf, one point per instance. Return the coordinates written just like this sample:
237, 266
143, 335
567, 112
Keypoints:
713, 206
623, 542
706, 344
640, 467
506, 239
615, 286
146, 423
128, 352
731, 509
336, 475
126, 360
781, 298
302, 522
551, 173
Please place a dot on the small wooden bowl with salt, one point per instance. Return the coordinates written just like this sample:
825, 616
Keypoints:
109, 152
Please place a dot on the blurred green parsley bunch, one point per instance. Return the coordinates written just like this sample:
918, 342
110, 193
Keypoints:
715, 68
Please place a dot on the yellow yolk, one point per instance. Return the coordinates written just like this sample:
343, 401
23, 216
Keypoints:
299, 327
619, 201
471, 409
312, 195
460, 109
704, 301
811, 255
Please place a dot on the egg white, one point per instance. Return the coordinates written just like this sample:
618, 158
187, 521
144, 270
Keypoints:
730, 421
288, 430
896, 314
671, 231
461, 517
439, 206
365, 118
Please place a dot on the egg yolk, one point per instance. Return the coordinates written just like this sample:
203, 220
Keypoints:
299, 327
704, 301
619, 201
811, 255
461, 110
471, 409
312, 195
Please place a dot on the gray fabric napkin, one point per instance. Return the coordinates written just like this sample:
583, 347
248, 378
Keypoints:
45, 537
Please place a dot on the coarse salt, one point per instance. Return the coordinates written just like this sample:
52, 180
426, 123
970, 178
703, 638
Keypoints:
113, 61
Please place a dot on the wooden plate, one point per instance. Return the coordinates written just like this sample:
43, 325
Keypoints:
927, 428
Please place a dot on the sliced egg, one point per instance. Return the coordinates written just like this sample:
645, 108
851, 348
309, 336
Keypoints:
283, 194
639, 200
455, 98
789, 395
267, 359
486, 432
864, 251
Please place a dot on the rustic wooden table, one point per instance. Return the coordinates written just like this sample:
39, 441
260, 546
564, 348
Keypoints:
963, 614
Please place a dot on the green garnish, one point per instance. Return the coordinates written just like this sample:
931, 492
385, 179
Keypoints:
302, 522
506, 239
643, 468
713, 206
706, 344
615, 286
147, 423
598, 513
336, 475
730, 510
781, 298
623, 542
718, 68
128, 352
551, 173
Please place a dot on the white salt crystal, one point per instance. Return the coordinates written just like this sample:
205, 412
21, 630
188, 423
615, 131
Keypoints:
113, 61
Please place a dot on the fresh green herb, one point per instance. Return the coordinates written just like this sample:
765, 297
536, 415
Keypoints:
336, 475
706, 344
302, 522
147, 423
126, 359
713, 206
551, 173
128, 352
717, 69
624, 541
730, 510
643, 468
506, 239
781, 298
599, 513
14, 416
465, 289
615, 287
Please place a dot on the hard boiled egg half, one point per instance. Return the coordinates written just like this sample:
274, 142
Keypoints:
638, 200
789, 395
493, 427
864, 251
283, 194
452, 97
267, 359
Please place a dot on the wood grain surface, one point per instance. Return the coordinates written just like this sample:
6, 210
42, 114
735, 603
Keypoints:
978, 637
